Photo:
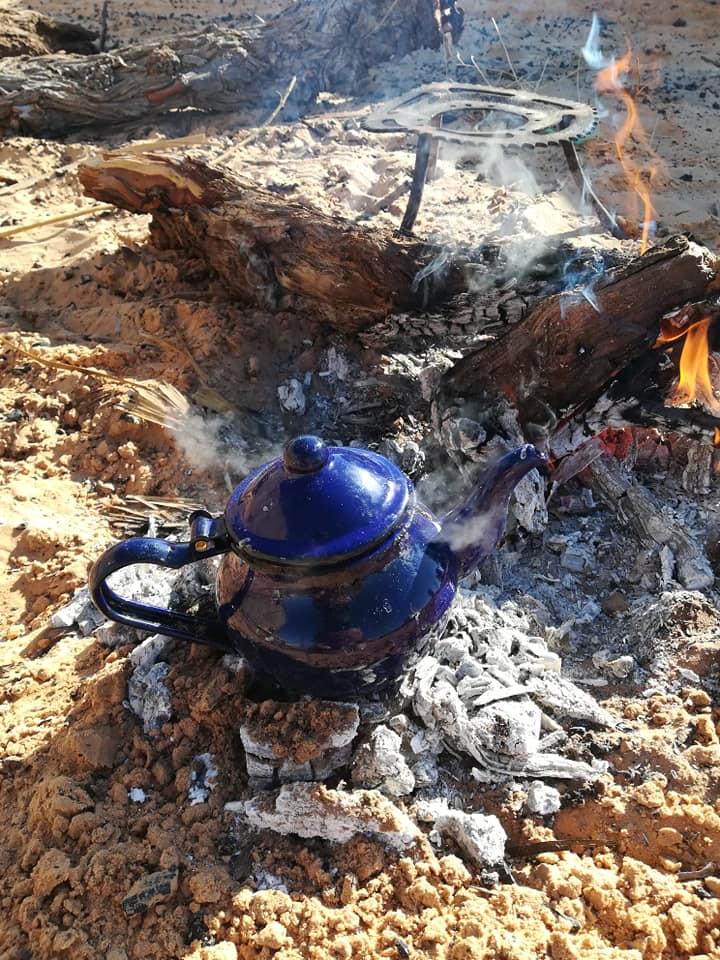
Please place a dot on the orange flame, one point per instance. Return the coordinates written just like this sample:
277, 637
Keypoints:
609, 80
694, 384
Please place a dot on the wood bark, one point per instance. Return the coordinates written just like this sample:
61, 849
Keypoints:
266, 249
326, 44
32, 34
568, 349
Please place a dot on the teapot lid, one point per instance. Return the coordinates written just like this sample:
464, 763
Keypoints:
318, 504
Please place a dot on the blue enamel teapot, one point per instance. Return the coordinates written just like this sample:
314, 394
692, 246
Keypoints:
334, 577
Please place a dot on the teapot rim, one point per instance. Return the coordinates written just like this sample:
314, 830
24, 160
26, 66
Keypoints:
344, 506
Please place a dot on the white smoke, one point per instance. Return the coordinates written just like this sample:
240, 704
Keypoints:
216, 445
480, 528
592, 54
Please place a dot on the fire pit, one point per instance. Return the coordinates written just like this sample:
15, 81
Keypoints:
478, 118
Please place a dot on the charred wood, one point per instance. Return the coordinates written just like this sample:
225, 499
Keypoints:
500, 293
569, 348
560, 358
651, 523
329, 46
638, 396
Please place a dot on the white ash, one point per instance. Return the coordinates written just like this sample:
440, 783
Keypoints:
261, 773
485, 691
541, 799
80, 612
697, 476
690, 676
148, 694
260, 749
463, 434
545, 764
142, 582
268, 881
420, 749
427, 811
528, 506
113, 635
145, 583
291, 396
337, 366
431, 375
480, 837
203, 778
193, 584
619, 667
666, 559
510, 728
310, 810
236, 664
152, 649
426, 771
566, 701
379, 764
577, 558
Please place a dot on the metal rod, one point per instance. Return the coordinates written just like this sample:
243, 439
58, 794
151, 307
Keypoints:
422, 159
604, 215
432, 173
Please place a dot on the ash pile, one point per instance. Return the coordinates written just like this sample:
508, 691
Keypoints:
488, 706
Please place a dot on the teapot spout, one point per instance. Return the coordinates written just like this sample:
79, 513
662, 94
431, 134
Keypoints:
474, 528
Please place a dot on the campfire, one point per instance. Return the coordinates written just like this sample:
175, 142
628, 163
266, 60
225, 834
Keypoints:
694, 382
361, 434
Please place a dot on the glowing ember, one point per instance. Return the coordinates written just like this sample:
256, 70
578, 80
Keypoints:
609, 80
694, 384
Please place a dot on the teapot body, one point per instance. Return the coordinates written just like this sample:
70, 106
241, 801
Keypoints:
333, 578
343, 633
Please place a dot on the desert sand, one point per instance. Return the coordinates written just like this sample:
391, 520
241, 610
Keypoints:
633, 870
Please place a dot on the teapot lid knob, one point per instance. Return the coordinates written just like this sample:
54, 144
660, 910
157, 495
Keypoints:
305, 455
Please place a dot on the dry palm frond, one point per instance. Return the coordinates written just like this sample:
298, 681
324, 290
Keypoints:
205, 396
160, 144
13, 344
208, 398
165, 504
59, 218
135, 513
158, 403
152, 402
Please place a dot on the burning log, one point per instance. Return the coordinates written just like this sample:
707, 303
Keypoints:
657, 390
330, 45
266, 249
560, 358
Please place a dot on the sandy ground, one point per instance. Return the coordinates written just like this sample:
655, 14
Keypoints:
90, 294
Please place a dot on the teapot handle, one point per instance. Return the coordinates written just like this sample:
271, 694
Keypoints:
208, 538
